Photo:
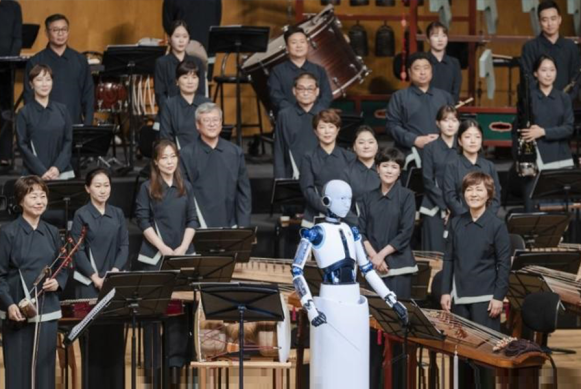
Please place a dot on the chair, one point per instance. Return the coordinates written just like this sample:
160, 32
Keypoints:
516, 243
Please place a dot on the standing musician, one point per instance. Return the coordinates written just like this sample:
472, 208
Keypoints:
280, 81
470, 141
294, 128
387, 224
447, 74
217, 171
361, 173
178, 117
411, 112
549, 42
165, 84
73, 83
27, 246
477, 261
324, 163
552, 115
44, 130
10, 45
105, 249
166, 213
437, 155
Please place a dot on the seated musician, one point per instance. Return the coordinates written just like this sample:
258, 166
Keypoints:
470, 144
217, 171
105, 249
411, 112
282, 76
387, 222
324, 163
446, 72
437, 155
477, 261
27, 246
552, 115
10, 45
177, 118
294, 128
166, 213
73, 83
165, 67
44, 130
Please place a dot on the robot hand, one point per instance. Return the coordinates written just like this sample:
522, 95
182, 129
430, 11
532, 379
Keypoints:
402, 312
319, 319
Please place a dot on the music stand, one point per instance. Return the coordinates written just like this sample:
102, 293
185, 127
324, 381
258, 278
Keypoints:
564, 261
242, 302
350, 122
539, 229
195, 269
235, 242
66, 195
286, 191
142, 294
91, 141
562, 184
521, 284
131, 60
238, 39
29, 34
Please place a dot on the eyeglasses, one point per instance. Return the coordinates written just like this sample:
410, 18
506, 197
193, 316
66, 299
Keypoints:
211, 120
63, 30
301, 89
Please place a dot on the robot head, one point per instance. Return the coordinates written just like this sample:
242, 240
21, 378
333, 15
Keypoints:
337, 197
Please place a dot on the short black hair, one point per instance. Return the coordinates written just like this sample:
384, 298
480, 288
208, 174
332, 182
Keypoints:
445, 110
416, 57
176, 24
434, 26
185, 67
361, 129
94, 173
548, 4
291, 31
305, 75
24, 185
55, 18
540, 59
390, 155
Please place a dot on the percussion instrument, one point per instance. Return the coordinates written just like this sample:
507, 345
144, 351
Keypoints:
111, 95
328, 48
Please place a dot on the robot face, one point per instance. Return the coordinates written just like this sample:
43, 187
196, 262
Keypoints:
337, 197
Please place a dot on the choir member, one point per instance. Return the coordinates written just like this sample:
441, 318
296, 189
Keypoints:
324, 163
10, 45
280, 81
165, 84
550, 42
73, 83
447, 74
44, 130
411, 112
387, 223
470, 143
437, 155
217, 171
166, 213
105, 249
178, 117
361, 173
294, 128
553, 120
476, 263
27, 246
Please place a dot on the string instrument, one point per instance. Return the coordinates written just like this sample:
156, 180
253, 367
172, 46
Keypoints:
566, 285
28, 306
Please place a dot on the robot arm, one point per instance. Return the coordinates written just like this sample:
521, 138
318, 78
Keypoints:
308, 236
375, 281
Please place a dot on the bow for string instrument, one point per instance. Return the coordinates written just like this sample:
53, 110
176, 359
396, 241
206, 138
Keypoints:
27, 305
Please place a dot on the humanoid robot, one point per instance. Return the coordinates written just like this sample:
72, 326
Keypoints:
339, 315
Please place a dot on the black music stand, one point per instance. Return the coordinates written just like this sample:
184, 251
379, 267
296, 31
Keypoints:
539, 229
562, 184
564, 261
521, 284
67, 196
235, 242
195, 269
238, 39
139, 294
286, 191
240, 302
91, 141
350, 122
131, 60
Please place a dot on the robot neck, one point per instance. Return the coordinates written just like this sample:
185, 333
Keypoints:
332, 218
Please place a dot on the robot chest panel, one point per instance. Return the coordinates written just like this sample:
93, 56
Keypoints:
337, 244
